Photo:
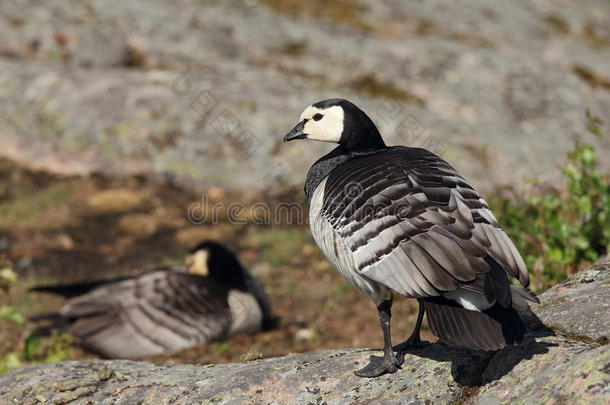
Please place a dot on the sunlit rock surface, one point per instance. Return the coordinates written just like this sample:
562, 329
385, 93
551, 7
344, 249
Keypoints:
549, 367
202, 92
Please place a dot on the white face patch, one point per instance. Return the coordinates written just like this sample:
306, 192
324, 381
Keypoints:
197, 263
328, 127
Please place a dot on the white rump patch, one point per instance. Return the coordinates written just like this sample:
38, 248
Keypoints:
469, 299
246, 314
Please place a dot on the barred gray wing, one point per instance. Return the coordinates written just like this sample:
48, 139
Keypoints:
150, 314
413, 224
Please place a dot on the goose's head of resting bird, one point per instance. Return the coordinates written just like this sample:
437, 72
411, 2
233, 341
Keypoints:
337, 120
211, 259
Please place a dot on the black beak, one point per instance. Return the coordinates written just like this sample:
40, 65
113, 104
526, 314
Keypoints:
296, 132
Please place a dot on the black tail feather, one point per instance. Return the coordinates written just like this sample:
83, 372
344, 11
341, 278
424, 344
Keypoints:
513, 327
46, 316
53, 322
491, 329
496, 286
73, 290
67, 291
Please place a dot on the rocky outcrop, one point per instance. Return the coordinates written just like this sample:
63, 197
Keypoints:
568, 364
202, 90
580, 306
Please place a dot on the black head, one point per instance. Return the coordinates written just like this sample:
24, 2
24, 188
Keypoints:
212, 259
339, 121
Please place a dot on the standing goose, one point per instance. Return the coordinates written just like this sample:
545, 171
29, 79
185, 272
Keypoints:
402, 219
210, 298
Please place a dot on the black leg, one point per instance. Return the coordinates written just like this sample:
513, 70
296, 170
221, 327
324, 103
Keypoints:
389, 363
413, 340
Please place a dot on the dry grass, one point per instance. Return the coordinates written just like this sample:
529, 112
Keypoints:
348, 12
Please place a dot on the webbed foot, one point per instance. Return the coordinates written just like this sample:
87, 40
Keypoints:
380, 365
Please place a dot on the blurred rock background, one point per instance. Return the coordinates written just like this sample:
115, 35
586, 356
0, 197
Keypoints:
202, 91
123, 124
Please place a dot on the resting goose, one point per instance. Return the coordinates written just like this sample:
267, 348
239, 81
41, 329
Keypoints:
210, 298
400, 219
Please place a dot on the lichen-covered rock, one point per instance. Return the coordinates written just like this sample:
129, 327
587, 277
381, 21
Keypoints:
580, 306
548, 367
543, 368
305, 378
569, 373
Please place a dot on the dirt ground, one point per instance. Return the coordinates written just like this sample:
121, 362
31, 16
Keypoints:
56, 230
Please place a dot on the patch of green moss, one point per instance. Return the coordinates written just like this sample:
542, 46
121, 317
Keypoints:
29, 204
349, 12
466, 394
369, 84
577, 338
279, 245
293, 48
592, 78
74, 395
218, 398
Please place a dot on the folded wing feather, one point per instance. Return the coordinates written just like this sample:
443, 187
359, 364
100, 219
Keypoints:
413, 224
149, 315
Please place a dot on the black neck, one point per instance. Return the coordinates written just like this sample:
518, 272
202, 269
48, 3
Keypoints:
360, 134
364, 140
327, 163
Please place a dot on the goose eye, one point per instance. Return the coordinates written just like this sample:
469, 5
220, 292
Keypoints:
317, 117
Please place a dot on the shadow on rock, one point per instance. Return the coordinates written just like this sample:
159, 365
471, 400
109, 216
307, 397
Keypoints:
477, 368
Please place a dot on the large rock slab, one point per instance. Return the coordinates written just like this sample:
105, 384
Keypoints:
569, 371
547, 367
580, 306
306, 378
203, 91
542, 369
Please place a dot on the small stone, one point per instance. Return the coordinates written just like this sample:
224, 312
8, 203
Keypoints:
105, 373
251, 355
304, 335
260, 269
119, 200
308, 251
